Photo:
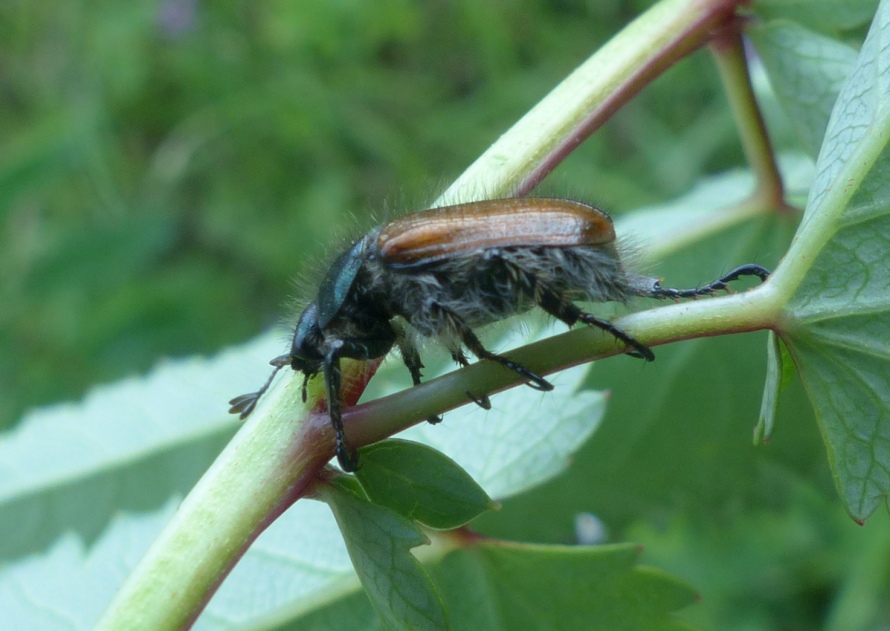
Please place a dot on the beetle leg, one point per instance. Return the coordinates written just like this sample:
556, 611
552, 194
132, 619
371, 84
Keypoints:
465, 333
657, 291
640, 350
305, 386
569, 313
565, 310
483, 402
412, 361
348, 459
533, 380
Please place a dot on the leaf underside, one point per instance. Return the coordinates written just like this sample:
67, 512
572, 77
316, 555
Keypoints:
838, 320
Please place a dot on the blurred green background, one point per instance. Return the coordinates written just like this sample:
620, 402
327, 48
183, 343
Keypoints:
168, 168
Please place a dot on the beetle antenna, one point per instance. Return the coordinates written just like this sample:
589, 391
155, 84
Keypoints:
245, 403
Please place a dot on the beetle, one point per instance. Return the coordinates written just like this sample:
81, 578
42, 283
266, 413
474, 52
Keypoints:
442, 272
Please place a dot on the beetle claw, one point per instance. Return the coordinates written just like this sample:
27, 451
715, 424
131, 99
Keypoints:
483, 402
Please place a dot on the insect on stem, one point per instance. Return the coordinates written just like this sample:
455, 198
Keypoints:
441, 273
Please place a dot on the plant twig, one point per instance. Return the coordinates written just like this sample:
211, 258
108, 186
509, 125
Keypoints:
728, 49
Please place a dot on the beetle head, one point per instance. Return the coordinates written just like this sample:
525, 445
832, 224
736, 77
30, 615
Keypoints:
307, 348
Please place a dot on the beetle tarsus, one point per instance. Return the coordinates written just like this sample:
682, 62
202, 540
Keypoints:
412, 361
483, 402
532, 379
638, 349
565, 310
305, 387
346, 458
722, 283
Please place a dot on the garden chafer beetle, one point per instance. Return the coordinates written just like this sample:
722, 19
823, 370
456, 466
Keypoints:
441, 273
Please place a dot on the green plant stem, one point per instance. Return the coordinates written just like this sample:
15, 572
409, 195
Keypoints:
254, 480
729, 53
737, 313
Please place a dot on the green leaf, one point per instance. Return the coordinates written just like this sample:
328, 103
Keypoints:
806, 71
799, 539
824, 15
713, 205
69, 584
496, 585
72, 467
421, 484
379, 541
525, 439
837, 323
778, 373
